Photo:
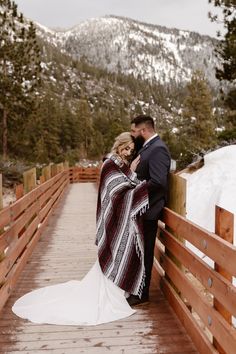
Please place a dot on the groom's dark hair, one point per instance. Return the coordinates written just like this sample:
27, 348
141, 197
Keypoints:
147, 120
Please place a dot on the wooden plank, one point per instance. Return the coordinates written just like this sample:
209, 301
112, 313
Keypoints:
54, 170
5, 217
8, 287
46, 196
60, 167
224, 227
154, 328
42, 179
221, 288
48, 184
84, 174
46, 209
201, 342
1, 193
66, 165
19, 191
2, 255
22, 204
212, 245
46, 172
13, 211
177, 194
221, 330
104, 341
10, 259
11, 235
29, 180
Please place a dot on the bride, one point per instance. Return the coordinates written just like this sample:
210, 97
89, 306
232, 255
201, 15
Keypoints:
100, 296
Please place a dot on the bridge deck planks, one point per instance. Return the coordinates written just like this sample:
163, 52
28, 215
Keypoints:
67, 251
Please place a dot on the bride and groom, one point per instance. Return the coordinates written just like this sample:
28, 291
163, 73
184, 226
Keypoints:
131, 197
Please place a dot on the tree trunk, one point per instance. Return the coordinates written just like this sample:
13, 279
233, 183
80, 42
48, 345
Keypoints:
4, 136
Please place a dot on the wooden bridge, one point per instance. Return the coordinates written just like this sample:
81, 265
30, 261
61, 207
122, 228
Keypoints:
48, 236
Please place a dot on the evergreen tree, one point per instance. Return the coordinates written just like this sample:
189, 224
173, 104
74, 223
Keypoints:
19, 69
226, 51
198, 127
85, 127
70, 136
43, 131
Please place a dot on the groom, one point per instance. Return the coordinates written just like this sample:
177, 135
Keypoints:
154, 167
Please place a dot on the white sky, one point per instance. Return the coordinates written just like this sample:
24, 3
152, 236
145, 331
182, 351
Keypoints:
182, 14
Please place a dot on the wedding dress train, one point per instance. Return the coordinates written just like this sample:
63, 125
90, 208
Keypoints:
93, 300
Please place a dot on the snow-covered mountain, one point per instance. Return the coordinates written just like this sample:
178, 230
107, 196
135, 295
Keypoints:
147, 51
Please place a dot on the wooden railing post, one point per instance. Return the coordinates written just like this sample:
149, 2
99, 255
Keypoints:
54, 170
1, 206
177, 194
1, 197
177, 201
224, 227
60, 167
46, 172
20, 227
19, 191
29, 178
66, 165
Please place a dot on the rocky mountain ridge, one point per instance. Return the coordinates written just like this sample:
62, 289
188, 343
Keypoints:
150, 52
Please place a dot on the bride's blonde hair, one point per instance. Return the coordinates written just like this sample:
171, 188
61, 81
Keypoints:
124, 139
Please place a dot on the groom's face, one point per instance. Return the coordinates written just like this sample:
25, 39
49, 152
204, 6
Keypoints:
136, 132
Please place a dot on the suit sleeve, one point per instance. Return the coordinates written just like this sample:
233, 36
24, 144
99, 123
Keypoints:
159, 165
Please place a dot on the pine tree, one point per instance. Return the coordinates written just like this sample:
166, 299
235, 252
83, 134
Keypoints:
70, 137
19, 69
85, 127
226, 51
43, 131
198, 127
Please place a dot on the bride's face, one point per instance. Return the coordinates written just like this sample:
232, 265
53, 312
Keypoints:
125, 151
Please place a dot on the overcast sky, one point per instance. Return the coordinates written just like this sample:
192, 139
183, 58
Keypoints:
183, 14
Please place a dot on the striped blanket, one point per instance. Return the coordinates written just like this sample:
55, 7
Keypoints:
122, 198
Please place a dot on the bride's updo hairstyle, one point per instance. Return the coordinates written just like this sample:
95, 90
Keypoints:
122, 140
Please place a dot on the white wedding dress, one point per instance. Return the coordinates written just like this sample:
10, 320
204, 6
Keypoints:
91, 301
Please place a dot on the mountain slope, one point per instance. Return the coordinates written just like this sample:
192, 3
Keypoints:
147, 51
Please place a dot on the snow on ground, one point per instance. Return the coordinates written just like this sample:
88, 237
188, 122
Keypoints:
8, 196
213, 184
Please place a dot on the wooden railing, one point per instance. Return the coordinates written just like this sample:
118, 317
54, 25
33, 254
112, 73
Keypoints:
21, 225
203, 298
84, 174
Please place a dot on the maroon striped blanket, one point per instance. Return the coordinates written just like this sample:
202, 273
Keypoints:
122, 198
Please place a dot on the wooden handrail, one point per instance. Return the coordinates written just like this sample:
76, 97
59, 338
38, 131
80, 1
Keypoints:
189, 299
22, 224
207, 242
84, 174
220, 287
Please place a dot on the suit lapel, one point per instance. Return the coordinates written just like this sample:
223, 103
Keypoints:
145, 147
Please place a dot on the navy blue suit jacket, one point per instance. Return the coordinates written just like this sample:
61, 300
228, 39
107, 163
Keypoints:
154, 167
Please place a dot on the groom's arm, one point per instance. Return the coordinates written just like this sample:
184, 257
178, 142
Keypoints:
159, 165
